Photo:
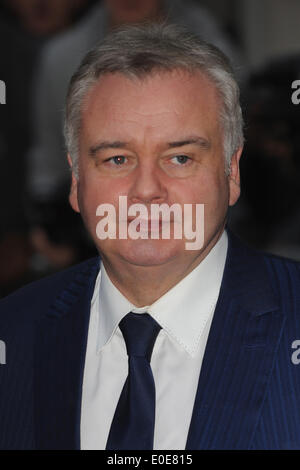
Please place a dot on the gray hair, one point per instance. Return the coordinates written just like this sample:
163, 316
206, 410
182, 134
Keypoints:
139, 50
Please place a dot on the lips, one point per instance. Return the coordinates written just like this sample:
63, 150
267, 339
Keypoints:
147, 225
150, 225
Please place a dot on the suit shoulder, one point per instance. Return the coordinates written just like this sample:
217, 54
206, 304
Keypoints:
34, 298
284, 274
275, 261
266, 269
281, 264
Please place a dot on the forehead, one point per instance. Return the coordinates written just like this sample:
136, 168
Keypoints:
159, 102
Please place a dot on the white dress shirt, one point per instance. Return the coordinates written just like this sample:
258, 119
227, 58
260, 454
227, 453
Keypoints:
185, 313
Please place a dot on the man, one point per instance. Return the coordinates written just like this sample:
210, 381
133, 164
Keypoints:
48, 175
156, 345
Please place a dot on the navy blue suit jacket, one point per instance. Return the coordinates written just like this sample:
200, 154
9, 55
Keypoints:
249, 388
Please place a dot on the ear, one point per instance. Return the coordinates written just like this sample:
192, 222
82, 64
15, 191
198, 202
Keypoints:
234, 177
73, 196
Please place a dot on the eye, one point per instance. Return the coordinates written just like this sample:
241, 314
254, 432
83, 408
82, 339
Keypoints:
118, 159
180, 159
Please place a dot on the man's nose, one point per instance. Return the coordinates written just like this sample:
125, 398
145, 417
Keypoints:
148, 185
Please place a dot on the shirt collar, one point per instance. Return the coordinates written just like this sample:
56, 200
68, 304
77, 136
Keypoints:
182, 312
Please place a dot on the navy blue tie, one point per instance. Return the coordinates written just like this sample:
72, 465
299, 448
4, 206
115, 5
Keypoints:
132, 426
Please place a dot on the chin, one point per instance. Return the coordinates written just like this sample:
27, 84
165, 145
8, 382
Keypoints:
150, 252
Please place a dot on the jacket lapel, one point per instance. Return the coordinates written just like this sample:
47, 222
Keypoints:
59, 363
239, 355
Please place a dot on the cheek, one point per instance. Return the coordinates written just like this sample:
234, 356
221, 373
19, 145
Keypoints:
208, 188
89, 197
94, 191
212, 191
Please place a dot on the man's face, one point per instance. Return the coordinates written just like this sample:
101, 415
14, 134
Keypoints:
166, 147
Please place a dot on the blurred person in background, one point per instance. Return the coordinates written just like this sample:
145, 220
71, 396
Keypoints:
25, 26
269, 214
44, 17
56, 238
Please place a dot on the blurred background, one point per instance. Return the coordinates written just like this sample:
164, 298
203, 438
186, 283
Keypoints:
41, 44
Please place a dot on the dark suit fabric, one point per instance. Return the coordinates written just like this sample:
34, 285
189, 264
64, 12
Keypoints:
249, 389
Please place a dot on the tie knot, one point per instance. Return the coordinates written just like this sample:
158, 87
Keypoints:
140, 331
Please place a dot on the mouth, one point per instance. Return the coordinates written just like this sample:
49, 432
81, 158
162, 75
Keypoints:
147, 225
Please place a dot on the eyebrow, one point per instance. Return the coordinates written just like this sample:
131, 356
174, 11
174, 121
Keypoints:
204, 143
117, 144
